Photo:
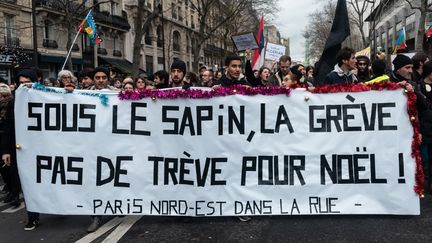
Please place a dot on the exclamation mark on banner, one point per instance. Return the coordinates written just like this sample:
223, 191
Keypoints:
401, 180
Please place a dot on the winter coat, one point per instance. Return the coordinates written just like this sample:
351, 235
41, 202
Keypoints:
338, 76
425, 112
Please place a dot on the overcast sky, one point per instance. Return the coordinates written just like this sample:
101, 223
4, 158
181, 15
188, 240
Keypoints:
291, 21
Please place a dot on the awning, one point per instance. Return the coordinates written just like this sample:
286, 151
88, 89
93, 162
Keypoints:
124, 65
58, 59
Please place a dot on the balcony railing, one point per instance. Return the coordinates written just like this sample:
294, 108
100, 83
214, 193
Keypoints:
49, 43
12, 41
102, 51
75, 47
117, 53
113, 20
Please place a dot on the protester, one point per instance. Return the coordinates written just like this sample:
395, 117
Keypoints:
402, 69
296, 76
342, 73
206, 79
8, 172
378, 72
425, 117
65, 76
128, 87
309, 75
284, 69
256, 73
190, 80
101, 79
24, 77
363, 65
117, 83
287, 81
201, 70
85, 78
114, 73
419, 59
263, 73
51, 82
140, 84
178, 71
128, 80
233, 67
161, 79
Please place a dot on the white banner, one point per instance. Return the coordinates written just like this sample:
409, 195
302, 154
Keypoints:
340, 153
274, 51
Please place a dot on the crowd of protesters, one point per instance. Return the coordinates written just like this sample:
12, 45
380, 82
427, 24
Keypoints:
415, 74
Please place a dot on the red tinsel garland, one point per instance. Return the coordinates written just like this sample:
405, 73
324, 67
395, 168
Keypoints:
336, 88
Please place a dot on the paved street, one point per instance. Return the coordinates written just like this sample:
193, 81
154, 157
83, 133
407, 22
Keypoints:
365, 228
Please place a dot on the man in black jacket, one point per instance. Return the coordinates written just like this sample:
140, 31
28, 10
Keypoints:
342, 73
233, 67
402, 69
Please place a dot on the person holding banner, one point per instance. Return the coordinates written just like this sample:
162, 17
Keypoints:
85, 79
177, 73
233, 67
7, 172
101, 79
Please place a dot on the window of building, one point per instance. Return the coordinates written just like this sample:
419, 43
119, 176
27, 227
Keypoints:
180, 15
398, 26
147, 38
176, 41
10, 26
48, 30
173, 11
115, 8
192, 20
159, 36
410, 19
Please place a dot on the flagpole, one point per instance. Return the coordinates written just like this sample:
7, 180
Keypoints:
73, 42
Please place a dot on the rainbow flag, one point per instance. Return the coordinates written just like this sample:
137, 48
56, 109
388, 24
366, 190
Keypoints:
88, 26
401, 41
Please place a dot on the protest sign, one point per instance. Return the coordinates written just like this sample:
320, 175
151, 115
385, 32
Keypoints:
245, 41
296, 154
274, 51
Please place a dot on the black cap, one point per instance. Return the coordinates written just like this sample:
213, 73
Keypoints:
378, 67
179, 64
103, 70
427, 69
28, 73
401, 61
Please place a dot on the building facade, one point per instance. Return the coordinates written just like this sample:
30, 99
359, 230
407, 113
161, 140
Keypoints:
388, 19
16, 47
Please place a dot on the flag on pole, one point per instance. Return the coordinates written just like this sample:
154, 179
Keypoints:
339, 32
258, 57
428, 30
88, 26
401, 41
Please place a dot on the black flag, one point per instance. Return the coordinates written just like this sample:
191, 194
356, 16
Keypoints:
339, 32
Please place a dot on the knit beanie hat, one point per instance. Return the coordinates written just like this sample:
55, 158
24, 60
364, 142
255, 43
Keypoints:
4, 89
28, 73
378, 67
103, 70
427, 69
179, 64
400, 61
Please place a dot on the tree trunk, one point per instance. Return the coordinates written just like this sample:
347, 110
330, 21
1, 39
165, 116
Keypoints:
136, 56
419, 45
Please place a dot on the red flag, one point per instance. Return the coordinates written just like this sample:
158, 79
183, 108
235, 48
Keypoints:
260, 37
